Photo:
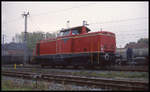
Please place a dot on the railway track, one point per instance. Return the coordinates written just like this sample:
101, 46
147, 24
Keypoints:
111, 68
108, 84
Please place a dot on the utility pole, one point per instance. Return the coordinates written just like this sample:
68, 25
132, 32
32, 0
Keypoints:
3, 46
3, 39
25, 38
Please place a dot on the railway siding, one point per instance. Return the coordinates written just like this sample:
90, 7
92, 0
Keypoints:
103, 83
119, 75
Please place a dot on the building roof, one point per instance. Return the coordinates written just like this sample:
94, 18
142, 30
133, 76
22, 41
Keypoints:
13, 46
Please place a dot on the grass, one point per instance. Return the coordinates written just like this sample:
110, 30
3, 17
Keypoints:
14, 86
10, 85
112, 74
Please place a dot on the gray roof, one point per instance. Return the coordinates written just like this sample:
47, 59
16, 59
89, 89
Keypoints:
13, 46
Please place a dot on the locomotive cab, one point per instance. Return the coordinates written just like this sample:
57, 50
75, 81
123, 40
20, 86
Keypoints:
74, 31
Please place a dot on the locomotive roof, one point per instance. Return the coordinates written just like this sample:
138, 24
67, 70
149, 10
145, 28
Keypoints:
78, 27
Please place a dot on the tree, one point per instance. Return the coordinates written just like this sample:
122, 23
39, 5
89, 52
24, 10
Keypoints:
33, 38
50, 35
141, 43
143, 40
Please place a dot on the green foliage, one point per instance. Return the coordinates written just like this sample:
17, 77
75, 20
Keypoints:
112, 74
12, 85
141, 43
33, 38
143, 40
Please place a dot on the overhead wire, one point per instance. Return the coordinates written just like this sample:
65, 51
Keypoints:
34, 25
50, 12
117, 21
12, 20
63, 10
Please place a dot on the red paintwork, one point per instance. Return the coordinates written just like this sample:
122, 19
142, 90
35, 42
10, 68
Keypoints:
79, 43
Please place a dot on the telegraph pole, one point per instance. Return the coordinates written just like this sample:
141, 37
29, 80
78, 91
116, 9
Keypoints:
3, 39
25, 38
3, 45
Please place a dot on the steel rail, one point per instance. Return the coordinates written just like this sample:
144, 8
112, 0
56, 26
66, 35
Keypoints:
104, 69
102, 83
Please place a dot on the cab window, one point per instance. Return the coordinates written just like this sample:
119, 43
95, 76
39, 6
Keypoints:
66, 33
75, 32
61, 33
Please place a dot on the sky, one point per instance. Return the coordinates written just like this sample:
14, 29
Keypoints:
128, 20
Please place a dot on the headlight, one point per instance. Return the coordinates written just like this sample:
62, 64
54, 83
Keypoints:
102, 49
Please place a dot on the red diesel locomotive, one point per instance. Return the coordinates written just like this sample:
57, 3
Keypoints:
75, 46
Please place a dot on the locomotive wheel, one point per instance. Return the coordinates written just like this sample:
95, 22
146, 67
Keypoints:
89, 67
51, 66
42, 66
63, 67
75, 67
